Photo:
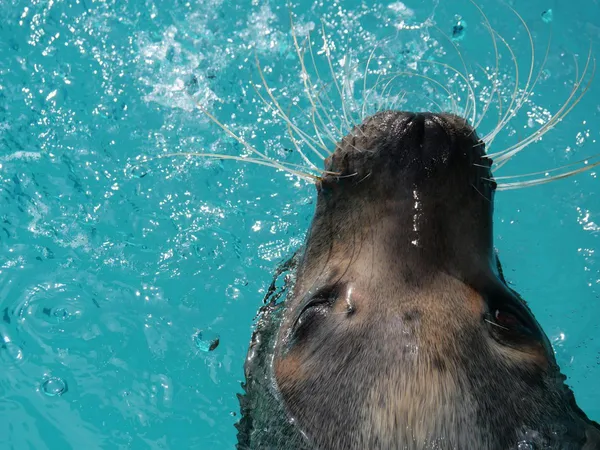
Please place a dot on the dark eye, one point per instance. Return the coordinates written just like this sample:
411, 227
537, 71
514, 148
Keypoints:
311, 315
312, 311
506, 319
509, 326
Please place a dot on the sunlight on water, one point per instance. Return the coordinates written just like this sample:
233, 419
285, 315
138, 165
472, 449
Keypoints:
129, 283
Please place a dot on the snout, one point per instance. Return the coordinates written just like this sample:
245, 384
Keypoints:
406, 142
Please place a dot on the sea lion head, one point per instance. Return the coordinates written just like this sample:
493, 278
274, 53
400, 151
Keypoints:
401, 331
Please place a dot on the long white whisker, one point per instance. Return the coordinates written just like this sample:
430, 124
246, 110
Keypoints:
328, 55
298, 149
288, 122
529, 183
469, 87
306, 80
339, 129
395, 75
526, 90
545, 172
374, 88
565, 109
489, 138
272, 164
237, 138
365, 81
471, 91
399, 99
308, 139
488, 25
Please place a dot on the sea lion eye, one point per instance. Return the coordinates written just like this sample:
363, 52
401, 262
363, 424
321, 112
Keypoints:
309, 318
506, 319
508, 326
315, 310
312, 310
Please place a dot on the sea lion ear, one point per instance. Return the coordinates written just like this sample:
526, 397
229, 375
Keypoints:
592, 434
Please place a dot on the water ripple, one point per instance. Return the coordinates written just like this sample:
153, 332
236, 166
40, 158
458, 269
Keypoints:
112, 261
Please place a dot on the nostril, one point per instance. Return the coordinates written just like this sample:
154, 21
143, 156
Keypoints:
436, 142
399, 122
438, 126
419, 124
400, 141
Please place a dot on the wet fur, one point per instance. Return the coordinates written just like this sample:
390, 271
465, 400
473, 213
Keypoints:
404, 361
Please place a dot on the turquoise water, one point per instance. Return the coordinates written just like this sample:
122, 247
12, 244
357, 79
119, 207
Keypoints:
118, 272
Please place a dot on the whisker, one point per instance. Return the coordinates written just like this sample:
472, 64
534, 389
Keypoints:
236, 137
339, 177
526, 91
505, 155
556, 169
539, 181
328, 55
365, 80
305, 77
479, 192
312, 118
339, 130
396, 75
348, 68
272, 164
399, 99
471, 95
374, 89
301, 133
490, 29
281, 113
365, 177
469, 87
495, 324
298, 149
489, 138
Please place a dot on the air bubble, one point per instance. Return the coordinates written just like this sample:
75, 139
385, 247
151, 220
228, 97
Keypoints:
191, 84
61, 314
459, 29
54, 386
11, 353
581, 138
139, 171
206, 342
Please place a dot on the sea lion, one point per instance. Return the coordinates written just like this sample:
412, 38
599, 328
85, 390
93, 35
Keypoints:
399, 331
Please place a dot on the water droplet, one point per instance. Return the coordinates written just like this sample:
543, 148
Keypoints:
139, 171
191, 84
54, 386
206, 342
547, 16
61, 314
11, 353
232, 292
581, 138
459, 29
524, 445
